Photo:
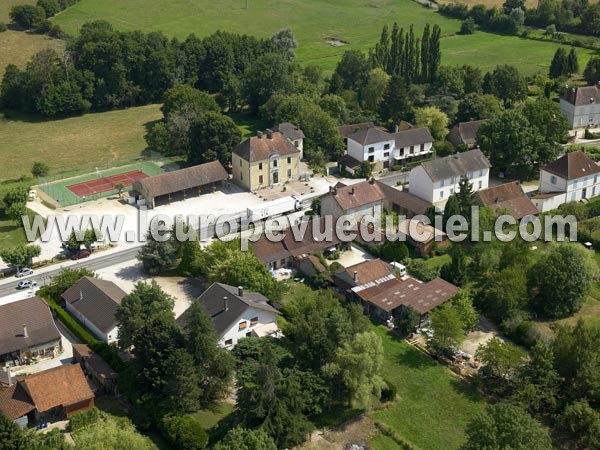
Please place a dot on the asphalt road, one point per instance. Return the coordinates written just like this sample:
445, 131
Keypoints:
392, 180
92, 264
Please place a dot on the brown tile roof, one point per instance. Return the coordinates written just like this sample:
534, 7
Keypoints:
268, 251
572, 165
423, 297
310, 243
366, 272
95, 362
14, 402
289, 130
579, 96
509, 196
35, 314
419, 232
414, 136
260, 148
357, 195
178, 180
404, 199
98, 301
347, 130
60, 386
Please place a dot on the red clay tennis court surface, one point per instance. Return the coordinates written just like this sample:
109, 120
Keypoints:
105, 184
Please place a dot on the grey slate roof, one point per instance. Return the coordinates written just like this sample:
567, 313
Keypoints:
467, 131
573, 165
456, 165
98, 300
367, 136
212, 300
414, 136
35, 314
289, 130
347, 130
580, 96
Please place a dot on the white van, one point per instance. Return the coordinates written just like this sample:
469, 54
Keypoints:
400, 268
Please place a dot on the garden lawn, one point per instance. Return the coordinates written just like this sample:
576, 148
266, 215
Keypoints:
382, 442
17, 47
354, 22
98, 139
432, 407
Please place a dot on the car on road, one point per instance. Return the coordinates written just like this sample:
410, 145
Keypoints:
26, 284
81, 254
24, 272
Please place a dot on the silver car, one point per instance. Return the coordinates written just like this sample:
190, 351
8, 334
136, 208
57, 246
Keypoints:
26, 284
24, 272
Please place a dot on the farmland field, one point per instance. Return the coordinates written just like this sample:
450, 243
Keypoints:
432, 407
355, 22
17, 47
98, 138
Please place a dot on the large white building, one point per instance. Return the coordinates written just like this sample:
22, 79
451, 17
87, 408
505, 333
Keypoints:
581, 105
572, 177
236, 314
435, 181
366, 142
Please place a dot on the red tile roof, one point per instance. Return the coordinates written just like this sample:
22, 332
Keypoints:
509, 196
357, 195
260, 148
14, 402
60, 386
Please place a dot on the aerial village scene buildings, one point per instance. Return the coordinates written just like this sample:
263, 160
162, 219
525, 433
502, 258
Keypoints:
221, 228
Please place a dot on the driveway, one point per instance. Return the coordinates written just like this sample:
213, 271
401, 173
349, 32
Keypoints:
484, 332
354, 256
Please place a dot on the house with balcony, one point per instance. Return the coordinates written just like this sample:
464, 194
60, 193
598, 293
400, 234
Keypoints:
236, 314
266, 159
572, 177
367, 142
434, 181
581, 105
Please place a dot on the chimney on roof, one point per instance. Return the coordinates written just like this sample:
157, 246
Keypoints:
352, 191
240, 291
269, 134
225, 304
355, 276
80, 294
259, 134
396, 128
372, 180
25, 333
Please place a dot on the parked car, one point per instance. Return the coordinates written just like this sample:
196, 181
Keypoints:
26, 284
24, 272
81, 254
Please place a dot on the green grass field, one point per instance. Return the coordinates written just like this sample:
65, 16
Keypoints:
432, 407
356, 22
59, 191
97, 139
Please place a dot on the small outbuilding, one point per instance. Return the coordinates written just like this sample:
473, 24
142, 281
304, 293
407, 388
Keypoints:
179, 184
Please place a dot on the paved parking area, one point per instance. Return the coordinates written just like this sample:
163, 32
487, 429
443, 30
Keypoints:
354, 256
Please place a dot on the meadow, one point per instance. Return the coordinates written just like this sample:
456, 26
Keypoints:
354, 22
432, 407
97, 139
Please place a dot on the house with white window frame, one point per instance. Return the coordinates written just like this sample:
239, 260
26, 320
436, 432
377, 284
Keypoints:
435, 181
367, 142
572, 177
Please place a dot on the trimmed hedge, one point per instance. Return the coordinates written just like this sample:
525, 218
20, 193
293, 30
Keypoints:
85, 418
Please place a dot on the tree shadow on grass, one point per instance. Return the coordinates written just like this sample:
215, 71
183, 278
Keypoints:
466, 389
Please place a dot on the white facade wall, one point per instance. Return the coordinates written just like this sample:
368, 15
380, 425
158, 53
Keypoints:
231, 337
581, 116
548, 204
577, 189
111, 336
380, 151
421, 185
410, 152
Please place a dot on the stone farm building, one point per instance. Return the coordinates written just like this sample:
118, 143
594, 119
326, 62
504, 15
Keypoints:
179, 184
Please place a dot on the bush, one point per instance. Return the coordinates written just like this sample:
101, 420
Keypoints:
184, 433
27, 16
468, 26
396, 167
589, 135
389, 392
551, 29
3, 27
85, 418
334, 255
335, 267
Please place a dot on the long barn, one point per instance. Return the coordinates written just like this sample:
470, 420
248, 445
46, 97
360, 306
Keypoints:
179, 184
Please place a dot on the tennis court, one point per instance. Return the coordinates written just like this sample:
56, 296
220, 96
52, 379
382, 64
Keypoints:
104, 184
100, 184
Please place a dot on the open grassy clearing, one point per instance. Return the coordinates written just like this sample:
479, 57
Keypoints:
98, 138
432, 407
355, 22
6, 5
17, 47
